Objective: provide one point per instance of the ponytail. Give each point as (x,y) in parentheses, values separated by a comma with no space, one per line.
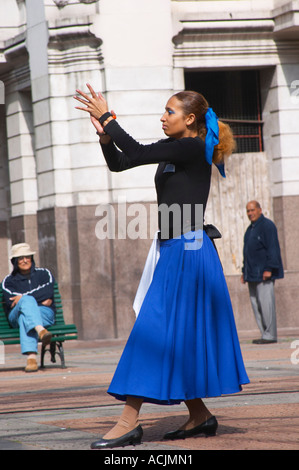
(195,103)
(227,143)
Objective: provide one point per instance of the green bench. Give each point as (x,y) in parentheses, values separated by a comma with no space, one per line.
(60,331)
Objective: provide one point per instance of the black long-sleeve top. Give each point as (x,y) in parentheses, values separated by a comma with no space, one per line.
(182,179)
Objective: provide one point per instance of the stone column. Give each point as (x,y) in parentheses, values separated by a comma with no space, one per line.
(4,192)
(282,107)
(22,168)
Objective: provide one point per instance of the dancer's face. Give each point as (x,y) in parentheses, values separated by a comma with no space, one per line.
(174,122)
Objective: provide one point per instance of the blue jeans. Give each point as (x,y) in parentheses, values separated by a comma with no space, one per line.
(26,315)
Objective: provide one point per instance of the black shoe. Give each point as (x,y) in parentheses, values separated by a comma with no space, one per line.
(208,428)
(131,438)
(264,341)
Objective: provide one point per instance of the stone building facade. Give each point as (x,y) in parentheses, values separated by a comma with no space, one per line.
(55,188)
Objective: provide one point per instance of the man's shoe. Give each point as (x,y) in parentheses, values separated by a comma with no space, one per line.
(31,365)
(130,438)
(208,428)
(264,341)
(45,337)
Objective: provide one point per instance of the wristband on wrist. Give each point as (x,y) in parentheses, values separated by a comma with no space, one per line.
(103,118)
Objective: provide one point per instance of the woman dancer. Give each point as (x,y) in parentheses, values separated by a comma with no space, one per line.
(184,345)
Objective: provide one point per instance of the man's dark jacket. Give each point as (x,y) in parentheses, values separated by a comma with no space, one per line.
(261,251)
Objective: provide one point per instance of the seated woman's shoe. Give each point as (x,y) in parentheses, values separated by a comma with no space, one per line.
(208,428)
(131,438)
(31,365)
(45,337)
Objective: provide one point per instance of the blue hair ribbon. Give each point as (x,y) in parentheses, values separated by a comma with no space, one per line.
(221,169)
(212,139)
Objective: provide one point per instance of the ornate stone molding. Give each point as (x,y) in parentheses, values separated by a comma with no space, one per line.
(63,3)
(15,63)
(235,42)
(73,47)
(287,20)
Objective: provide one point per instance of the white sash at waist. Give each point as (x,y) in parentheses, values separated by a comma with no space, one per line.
(148,272)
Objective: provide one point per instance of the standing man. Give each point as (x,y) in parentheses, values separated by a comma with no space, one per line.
(261,266)
(29,302)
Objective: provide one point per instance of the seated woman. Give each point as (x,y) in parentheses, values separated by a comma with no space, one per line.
(29,302)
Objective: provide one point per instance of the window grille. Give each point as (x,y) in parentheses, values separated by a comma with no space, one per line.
(235,97)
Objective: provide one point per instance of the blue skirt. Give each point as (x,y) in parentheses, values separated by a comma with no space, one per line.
(184,343)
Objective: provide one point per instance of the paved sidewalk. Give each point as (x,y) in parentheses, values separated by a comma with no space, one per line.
(66,409)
